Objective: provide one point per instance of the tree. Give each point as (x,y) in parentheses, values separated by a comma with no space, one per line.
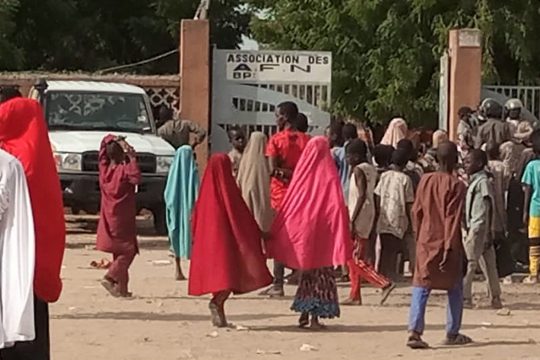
(386,53)
(93,34)
(10,55)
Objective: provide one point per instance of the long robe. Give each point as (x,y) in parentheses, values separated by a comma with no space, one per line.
(311,230)
(17,254)
(23,134)
(437,215)
(117,228)
(254,180)
(180,196)
(227,251)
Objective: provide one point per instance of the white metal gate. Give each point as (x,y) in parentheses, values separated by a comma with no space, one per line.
(247,86)
(529,96)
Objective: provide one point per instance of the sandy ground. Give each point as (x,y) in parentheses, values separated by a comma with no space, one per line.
(162,322)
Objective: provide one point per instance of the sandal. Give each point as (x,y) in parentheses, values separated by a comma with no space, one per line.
(303,321)
(109,286)
(416,343)
(458,339)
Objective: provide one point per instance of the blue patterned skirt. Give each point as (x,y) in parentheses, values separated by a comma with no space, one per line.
(317,294)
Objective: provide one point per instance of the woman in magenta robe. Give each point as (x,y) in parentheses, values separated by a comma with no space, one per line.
(119,176)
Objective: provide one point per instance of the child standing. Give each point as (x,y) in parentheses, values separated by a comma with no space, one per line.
(361,205)
(395,196)
(180,195)
(531,208)
(237,138)
(119,176)
(479,217)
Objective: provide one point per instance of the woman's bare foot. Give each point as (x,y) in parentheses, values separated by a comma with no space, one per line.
(351,302)
(315,325)
(214,313)
(179,276)
(221,313)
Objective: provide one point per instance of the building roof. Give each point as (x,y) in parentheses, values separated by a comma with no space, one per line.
(93,86)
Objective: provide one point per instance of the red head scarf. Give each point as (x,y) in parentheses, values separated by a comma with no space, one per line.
(23,134)
(311,230)
(227,252)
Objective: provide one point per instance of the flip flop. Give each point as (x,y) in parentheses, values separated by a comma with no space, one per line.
(109,286)
(459,339)
(417,343)
(386,293)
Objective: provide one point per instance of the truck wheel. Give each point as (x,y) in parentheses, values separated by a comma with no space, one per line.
(160,224)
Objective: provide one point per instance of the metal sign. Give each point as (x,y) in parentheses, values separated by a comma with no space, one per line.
(248,85)
(277,66)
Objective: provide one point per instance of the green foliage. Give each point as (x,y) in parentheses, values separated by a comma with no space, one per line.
(10,55)
(386,52)
(93,34)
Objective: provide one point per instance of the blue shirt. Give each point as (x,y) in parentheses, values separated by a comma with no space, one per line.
(343,167)
(531,177)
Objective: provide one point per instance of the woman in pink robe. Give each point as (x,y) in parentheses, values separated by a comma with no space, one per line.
(311,232)
(119,176)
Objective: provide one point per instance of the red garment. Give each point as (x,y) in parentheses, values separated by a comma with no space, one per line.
(287,146)
(117,229)
(227,253)
(23,133)
(311,230)
(119,270)
(359,269)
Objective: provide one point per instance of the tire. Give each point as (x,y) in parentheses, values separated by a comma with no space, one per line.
(160,225)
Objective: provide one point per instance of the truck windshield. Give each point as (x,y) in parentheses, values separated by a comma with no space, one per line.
(97,111)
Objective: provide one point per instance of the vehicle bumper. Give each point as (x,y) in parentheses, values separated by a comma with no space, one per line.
(82,191)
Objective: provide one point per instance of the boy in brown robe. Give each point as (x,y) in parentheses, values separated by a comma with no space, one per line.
(437,214)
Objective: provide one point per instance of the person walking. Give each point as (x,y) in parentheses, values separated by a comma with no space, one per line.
(437,214)
(227,256)
(310,233)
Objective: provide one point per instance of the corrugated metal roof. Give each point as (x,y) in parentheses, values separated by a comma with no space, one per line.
(93,86)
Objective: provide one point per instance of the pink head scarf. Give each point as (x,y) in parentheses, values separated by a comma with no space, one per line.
(397,130)
(311,229)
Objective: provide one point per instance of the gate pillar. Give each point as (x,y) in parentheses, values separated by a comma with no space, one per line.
(465,51)
(195,78)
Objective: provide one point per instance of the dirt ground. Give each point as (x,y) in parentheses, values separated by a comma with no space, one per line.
(162,322)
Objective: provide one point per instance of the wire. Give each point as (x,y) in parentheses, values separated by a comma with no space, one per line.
(139,63)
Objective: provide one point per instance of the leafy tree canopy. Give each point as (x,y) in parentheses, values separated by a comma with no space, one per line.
(386,52)
(93,34)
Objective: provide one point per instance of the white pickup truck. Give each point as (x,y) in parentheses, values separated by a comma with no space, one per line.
(79,115)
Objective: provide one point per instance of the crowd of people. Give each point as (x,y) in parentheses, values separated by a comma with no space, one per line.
(330,208)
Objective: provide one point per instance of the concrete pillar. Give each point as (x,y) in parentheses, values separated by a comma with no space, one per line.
(465,50)
(195,78)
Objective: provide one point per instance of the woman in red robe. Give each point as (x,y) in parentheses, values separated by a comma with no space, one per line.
(227,254)
(119,176)
(23,134)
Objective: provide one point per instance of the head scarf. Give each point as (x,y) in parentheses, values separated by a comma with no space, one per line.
(254,180)
(227,252)
(23,134)
(438,137)
(180,195)
(397,130)
(311,230)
